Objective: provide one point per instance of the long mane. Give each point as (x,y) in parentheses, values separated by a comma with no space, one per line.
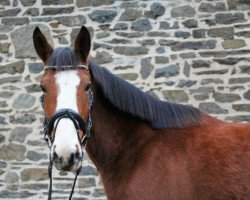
(128,98)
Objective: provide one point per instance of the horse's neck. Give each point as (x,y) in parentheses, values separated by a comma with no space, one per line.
(112,133)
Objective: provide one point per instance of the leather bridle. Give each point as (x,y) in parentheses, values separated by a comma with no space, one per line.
(80,124)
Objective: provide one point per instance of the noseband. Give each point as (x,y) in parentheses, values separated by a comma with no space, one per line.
(51,124)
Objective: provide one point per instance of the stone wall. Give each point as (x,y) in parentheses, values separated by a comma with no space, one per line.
(188,51)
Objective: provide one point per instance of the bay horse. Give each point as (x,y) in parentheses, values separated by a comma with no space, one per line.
(143,148)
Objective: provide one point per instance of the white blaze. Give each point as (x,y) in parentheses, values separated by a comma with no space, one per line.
(66,139)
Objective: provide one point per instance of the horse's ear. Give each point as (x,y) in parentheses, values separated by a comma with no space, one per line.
(43,48)
(83,43)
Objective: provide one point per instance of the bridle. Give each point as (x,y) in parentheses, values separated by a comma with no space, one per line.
(79,123)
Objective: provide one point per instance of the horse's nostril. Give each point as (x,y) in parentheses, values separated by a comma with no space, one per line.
(77,155)
(71,159)
(56,158)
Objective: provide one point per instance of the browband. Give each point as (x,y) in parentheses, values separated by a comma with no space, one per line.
(67,67)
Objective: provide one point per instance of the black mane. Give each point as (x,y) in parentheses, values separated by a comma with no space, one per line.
(128,98)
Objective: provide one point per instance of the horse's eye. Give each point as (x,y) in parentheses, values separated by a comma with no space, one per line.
(87,87)
(43,88)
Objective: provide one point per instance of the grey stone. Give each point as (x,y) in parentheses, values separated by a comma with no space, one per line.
(234,44)
(121,26)
(2,120)
(146,67)
(128,76)
(239,80)
(85,3)
(209,8)
(24,101)
(119,41)
(164,42)
(36,186)
(245,34)
(98,192)
(10,79)
(129,4)
(182,34)
(130,35)
(5,28)
(211,80)
(169,71)
(88,171)
(175,95)
(3,104)
(229,60)
(3,164)
(224,32)
(145,42)
(206,72)
(32,155)
(104,46)
(238,5)
(130,15)
(246,95)
(3,37)
(187,55)
(6,94)
(158,34)
(141,25)
(102,35)
(190,23)
(22,119)
(34,174)
(220,97)
(15,21)
(28,2)
(77,20)
(201,63)
(103,57)
(245,69)
(31,12)
(239,118)
(201,97)
(12,68)
(35,68)
(186,69)
(5,194)
(12,152)
(199,33)
(229,18)
(242,107)
(23,43)
(183,11)
(102,16)
(56,2)
(161,59)
(204,89)
(186,83)
(11,177)
(165,25)
(130,50)
(4,47)
(212,108)
(10,12)
(57,11)
(209,44)
(2,138)
(33,88)
(86,182)
(156,10)
(19,134)
(5,2)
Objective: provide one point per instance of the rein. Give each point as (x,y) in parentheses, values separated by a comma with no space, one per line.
(79,123)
